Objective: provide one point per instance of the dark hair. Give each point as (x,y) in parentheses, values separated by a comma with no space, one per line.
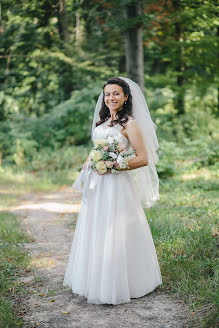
(127,107)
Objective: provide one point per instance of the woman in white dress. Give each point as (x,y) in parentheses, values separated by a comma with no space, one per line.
(113,257)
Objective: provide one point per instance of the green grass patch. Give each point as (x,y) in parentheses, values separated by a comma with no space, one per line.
(184,228)
(13,260)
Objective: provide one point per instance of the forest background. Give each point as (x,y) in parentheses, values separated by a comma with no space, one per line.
(55,57)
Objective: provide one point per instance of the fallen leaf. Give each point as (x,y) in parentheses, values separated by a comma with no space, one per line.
(193,312)
(42,294)
(51,301)
(22,313)
(64,312)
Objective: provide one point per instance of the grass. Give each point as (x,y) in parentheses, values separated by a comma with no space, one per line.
(184,228)
(13,260)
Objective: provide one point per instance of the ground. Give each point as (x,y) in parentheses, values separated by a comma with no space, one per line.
(50,220)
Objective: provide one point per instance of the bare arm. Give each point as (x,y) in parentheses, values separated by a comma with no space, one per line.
(136,140)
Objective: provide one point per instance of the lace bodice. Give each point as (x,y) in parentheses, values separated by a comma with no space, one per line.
(104,130)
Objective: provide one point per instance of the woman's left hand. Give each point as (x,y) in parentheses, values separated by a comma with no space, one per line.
(116,165)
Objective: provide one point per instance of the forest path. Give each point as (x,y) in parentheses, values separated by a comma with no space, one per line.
(48,304)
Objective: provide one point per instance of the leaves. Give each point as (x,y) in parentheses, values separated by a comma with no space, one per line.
(64,312)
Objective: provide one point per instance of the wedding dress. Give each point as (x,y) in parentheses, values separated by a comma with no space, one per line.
(112,257)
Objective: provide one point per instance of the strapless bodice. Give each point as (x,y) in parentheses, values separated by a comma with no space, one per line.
(103,131)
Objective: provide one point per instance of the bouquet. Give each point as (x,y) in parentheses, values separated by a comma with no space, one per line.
(109,153)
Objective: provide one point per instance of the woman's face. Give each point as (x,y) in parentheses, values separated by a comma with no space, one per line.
(114,96)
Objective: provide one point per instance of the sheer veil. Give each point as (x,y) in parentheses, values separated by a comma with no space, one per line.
(146,177)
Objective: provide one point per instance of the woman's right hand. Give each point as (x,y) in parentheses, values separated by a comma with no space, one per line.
(84,166)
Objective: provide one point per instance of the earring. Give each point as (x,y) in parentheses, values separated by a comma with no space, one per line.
(125,102)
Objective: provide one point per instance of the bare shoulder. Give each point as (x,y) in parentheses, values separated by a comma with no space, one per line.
(130,127)
(131,123)
(130,118)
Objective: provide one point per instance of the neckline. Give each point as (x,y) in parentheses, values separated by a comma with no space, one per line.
(109,120)
(112,127)
(115,128)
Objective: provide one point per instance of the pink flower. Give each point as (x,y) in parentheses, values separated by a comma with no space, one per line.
(109,164)
(105,148)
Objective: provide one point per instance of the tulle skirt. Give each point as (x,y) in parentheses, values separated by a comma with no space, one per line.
(112,257)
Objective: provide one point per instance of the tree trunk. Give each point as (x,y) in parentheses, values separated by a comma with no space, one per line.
(79,31)
(63,21)
(179,102)
(134,46)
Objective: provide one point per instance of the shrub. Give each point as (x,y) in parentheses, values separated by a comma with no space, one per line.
(168,153)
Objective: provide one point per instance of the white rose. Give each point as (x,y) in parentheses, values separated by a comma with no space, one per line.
(96,155)
(101,142)
(121,161)
(101,167)
(120,147)
(113,155)
(117,138)
(110,140)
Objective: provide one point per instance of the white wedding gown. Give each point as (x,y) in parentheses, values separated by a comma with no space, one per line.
(113,257)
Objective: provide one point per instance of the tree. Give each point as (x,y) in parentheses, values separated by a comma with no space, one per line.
(134,46)
(63,21)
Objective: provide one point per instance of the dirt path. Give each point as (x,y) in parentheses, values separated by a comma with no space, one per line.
(50,220)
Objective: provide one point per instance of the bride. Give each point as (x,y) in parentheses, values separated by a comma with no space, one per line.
(113,257)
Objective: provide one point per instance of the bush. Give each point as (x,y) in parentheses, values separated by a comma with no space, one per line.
(200,152)
(67,124)
(204,151)
(66,158)
(168,153)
